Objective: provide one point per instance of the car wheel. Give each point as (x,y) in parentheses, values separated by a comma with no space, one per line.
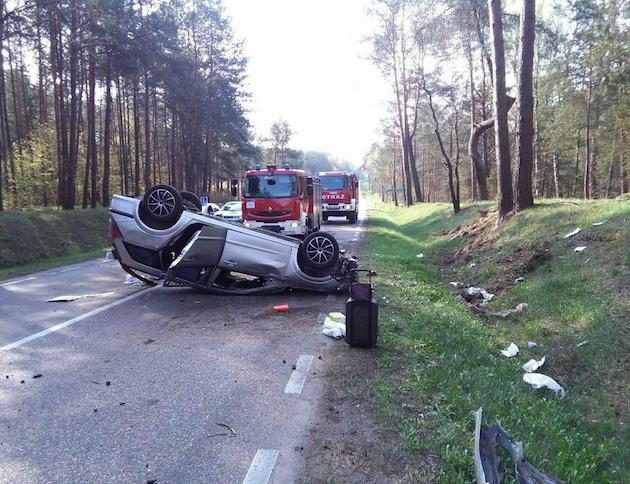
(319,250)
(190,201)
(161,204)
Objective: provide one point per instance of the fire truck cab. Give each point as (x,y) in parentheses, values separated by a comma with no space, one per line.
(282,200)
(340,195)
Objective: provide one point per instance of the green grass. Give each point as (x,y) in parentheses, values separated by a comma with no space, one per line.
(33,240)
(440,362)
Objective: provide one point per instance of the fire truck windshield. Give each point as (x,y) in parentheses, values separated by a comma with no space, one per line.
(271,186)
(334,182)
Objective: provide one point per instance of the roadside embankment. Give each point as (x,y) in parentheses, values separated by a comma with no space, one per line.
(441,354)
(33,236)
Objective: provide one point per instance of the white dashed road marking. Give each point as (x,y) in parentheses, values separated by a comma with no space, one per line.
(260,470)
(298,377)
(70,322)
(16,282)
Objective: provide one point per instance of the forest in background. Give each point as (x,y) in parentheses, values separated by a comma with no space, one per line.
(112,96)
(438,56)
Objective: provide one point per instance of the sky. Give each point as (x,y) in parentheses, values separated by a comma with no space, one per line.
(308,65)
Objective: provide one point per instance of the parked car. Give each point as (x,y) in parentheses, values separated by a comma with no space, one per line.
(212,208)
(231,211)
(159,236)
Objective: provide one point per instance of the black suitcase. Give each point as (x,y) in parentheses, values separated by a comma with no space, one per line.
(362,314)
(361,323)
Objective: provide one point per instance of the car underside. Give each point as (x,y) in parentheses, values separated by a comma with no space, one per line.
(165,238)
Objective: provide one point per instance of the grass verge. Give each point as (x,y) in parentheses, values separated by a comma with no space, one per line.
(39,239)
(440,362)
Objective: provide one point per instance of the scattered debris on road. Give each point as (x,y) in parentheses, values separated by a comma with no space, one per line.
(335,325)
(571,234)
(487,462)
(133,281)
(233,432)
(281,308)
(538,380)
(510,351)
(39,375)
(74,297)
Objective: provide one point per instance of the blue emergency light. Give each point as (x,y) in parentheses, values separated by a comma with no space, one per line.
(287,166)
(258,166)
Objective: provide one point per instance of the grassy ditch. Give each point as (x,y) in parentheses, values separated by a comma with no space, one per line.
(440,361)
(27,239)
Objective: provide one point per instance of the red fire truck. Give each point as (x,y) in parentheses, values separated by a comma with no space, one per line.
(283,200)
(340,195)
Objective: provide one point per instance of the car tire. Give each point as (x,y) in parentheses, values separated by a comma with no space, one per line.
(319,250)
(190,201)
(161,205)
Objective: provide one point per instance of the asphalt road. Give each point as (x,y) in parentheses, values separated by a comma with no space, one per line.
(166,385)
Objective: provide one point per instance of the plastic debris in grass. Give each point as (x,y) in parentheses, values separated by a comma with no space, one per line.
(508,312)
(335,325)
(519,279)
(532,365)
(531,344)
(457,285)
(419,256)
(478,291)
(109,255)
(572,233)
(582,343)
(581,248)
(510,351)
(472,264)
(597,224)
(538,380)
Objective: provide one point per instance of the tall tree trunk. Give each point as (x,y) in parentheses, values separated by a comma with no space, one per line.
(576,174)
(136,136)
(41,70)
(502,140)
(453,176)
(610,167)
(556,174)
(624,181)
(587,139)
(107,130)
(524,195)
(92,132)
(147,133)
(473,107)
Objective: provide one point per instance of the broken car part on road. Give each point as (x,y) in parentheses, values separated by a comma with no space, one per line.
(164,237)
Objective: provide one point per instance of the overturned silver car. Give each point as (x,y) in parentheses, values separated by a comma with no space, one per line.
(166,236)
